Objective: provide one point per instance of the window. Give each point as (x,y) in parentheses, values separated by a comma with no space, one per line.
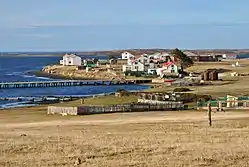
(240,104)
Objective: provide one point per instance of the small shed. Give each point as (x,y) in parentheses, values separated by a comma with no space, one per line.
(210,75)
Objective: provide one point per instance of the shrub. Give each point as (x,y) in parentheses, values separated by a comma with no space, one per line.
(191,97)
(123,92)
(181,90)
(188,97)
(133,73)
(204,98)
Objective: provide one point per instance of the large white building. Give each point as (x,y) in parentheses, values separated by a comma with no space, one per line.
(141,64)
(71,60)
(127,55)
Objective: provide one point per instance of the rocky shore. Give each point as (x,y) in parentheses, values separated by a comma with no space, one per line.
(72,73)
(57,76)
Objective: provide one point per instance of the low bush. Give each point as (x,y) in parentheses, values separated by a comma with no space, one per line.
(181,90)
(191,97)
(123,92)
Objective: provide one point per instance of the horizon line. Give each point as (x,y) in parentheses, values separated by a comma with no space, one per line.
(105,50)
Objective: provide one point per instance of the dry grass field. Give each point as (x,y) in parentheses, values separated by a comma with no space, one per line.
(230,85)
(101,100)
(233,85)
(29,137)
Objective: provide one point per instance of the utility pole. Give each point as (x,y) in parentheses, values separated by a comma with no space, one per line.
(209,114)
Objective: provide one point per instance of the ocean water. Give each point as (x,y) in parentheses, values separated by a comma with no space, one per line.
(14,68)
(244,56)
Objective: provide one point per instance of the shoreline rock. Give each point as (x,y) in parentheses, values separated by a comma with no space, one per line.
(57,76)
(73,73)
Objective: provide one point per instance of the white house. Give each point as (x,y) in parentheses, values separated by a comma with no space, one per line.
(137,66)
(163,56)
(144,59)
(155,55)
(168,68)
(141,64)
(71,60)
(127,55)
(159,55)
(190,54)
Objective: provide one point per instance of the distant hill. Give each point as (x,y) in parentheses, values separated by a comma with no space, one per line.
(133,51)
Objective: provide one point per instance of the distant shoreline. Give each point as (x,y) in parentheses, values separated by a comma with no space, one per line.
(118,52)
(51,55)
(38,55)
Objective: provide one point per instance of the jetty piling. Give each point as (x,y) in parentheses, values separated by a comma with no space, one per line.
(41,84)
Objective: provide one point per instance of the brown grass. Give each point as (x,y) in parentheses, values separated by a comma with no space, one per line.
(232,85)
(102,100)
(134,139)
(29,137)
(34,114)
(229,85)
(71,72)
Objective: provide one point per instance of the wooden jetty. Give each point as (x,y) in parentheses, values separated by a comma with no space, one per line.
(61,83)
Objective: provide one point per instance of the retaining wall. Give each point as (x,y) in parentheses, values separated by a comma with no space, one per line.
(134,107)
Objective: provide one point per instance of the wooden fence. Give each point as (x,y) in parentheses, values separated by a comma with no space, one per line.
(134,107)
(62,110)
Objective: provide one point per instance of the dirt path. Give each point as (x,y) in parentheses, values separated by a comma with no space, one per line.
(131,118)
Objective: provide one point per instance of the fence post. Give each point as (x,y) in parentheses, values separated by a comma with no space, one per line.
(209,114)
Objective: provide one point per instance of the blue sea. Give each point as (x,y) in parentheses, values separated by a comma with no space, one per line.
(14,68)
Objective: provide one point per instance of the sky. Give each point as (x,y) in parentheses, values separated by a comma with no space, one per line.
(92,25)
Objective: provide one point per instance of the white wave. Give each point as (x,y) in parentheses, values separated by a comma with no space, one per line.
(34,76)
(44,78)
(16,104)
(14,73)
(28,76)
(17,73)
(10,74)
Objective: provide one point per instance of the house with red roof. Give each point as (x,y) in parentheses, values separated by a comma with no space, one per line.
(230,56)
(170,68)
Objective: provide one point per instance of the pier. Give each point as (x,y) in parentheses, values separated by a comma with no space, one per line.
(43,84)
